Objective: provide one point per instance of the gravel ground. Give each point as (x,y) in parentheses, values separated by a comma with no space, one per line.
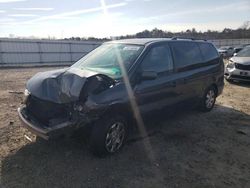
(187,149)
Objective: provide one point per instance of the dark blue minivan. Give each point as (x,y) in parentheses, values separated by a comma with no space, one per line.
(119,81)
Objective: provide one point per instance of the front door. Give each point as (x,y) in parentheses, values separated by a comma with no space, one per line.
(160,91)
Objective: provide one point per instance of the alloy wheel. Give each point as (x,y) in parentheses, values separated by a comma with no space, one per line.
(210,99)
(115,137)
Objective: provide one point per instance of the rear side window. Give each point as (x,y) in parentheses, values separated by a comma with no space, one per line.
(186,53)
(158,59)
(208,51)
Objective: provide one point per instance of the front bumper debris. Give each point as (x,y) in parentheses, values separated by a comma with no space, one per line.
(44,131)
(237,74)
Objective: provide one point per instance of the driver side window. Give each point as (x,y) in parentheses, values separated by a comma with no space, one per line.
(158,60)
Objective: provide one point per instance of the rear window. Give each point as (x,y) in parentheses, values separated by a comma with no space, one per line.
(208,51)
(186,54)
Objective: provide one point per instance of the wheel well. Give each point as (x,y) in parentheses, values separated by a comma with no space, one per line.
(122,110)
(216,88)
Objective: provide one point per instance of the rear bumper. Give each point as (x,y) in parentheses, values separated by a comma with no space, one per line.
(237,74)
(43,131)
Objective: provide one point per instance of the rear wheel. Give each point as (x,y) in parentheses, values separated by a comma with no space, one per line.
(208,100)
(108,135)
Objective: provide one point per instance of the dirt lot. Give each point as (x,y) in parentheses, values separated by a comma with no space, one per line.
(190,149)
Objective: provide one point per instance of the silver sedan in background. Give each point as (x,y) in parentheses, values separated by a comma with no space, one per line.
(238,67)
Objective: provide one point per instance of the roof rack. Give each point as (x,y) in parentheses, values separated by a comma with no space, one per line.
(176,38)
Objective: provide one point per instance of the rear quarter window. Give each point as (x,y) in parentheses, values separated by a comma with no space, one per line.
(186,54)
(208,51)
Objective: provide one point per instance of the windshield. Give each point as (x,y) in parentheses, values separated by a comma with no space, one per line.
(245,52)
(106,58)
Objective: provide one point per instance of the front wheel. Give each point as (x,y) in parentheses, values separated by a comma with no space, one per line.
(108,135)
(208,100)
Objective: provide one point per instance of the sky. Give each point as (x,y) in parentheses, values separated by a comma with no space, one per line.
(106,18)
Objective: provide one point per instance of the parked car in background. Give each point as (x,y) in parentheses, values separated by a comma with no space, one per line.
(226,51)
(238,48)
(238,67)
(119,81)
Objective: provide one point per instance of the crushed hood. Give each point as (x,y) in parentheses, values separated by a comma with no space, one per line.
(59,86)
(241,60)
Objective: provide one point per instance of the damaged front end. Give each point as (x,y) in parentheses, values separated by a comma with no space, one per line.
(59,102)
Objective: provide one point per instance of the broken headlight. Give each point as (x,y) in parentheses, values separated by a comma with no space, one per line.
(231,65)
(86,107)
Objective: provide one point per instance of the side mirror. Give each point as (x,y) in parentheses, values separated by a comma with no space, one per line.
(235,54)
(148,75)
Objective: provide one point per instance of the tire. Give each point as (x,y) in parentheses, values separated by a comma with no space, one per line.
(229,80)
(108,135)
(208,100)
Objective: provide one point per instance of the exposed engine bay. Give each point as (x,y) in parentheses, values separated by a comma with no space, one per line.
(59,96)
